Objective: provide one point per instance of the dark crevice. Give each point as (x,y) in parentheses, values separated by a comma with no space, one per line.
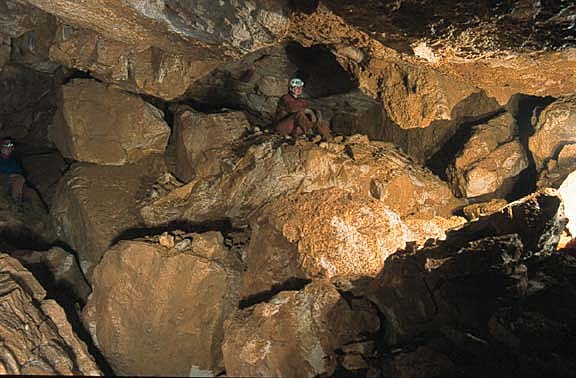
(224,226)
(292,284)
(523,107)
(77,74)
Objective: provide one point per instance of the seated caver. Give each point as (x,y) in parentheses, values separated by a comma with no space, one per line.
(11,178)
(294,117)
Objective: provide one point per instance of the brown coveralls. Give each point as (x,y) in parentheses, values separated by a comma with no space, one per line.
(291,118)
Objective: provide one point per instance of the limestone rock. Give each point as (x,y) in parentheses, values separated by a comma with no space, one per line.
(23,228)
(267,171)
(197,37)
(94,205)
(151,70)
(491,160)
(27,105)
(294,334)
(352,113)
(554,127)
(475,211)
(158,311)
(424,362)
(539,325)
(205,143)
(568,192)
(66,276)
(36,336)
(43,171)
(438,285)
(103,125)
(327,234)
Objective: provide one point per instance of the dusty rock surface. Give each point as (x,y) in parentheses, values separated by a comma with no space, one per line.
(490,162)
(93,205)
(268,170)
(296,333)
(205,143)
(159,310)
(103,125)
(36,336)
(553,128)
(330,233)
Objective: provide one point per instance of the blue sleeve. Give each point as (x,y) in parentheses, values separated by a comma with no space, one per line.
(10,166)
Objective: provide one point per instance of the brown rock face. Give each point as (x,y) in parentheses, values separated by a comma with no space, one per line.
(159,311)
(438,285)
(490,161)
(102,125)
(266,172)
(294,334)
(330,233)
(151,70)
(205,143)
(94,204)
(36,336)
(554,127)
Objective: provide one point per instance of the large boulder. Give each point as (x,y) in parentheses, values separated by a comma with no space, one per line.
(205,143)
(164,41)
(151,70)
(158,305)
(330,234)
(37,338)
(295,334)
(490,161)
(103,125)
(554,127)
(267,171)
(463,279)
(93,205)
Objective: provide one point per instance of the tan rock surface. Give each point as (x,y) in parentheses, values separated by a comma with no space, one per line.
(205,143)
(103,125)
(266,172)
(490,161)
(555,126)
(43,172)
(36,336)
(330,233)
(159,311)
(151,70)
(295,334)
(93,205)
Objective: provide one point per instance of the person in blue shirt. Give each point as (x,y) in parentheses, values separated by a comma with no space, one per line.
(11,178)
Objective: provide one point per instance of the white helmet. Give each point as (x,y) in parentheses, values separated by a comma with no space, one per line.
(296,82)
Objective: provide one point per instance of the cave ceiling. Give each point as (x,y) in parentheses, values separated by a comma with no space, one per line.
(503,47)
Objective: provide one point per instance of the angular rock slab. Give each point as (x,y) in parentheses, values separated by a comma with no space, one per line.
(158,311)
(329,233)
(271,168)
(93,205)
(554,128)
(102,125)
(295,334)
(458,281)
(205,143)
(491,160)
(36,336)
